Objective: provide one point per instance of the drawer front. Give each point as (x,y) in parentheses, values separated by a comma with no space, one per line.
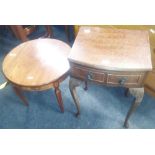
(112,78)
(88,74)
(125,80)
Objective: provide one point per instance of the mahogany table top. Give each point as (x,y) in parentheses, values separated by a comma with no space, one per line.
(112,49)
(37,62)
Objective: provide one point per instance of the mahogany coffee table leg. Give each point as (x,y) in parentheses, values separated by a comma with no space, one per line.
(138,93)
(73,83)
(19,93)
(58,95)
(49,32)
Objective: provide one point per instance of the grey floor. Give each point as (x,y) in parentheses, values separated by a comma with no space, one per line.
(101,106)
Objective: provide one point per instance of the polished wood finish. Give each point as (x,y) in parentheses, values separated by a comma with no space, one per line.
(73,83)
(83,72)
(112,49)
(114,57)
(49,32)
(113,78)
(19,93)
(138,93)
(128,79)
(149,83)
(22,33)
(19,32)
(58,95)
(38,65)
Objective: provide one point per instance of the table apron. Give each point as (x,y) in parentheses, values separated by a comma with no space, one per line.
(111,78)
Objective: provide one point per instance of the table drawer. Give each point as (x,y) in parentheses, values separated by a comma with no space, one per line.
(125,79)
(88,74)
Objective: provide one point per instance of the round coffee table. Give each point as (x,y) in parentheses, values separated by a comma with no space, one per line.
(37,65)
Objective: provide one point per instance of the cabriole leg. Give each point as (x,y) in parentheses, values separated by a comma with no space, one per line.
(138,93)
(73,83)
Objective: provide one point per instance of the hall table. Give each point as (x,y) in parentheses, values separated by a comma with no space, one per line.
(37,65)
(113,57)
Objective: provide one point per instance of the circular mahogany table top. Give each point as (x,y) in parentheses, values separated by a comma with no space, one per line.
(37,64)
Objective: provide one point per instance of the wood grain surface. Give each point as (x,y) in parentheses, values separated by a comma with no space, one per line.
(112,49)
(36,63)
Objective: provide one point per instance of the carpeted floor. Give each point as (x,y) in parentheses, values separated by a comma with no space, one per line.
(101,106)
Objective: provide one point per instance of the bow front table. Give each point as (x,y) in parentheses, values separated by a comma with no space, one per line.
(113,57)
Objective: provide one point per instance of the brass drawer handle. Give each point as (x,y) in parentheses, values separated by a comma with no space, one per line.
(122,81)
(90,76)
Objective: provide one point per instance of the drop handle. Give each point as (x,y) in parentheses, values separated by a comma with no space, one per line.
(90,76)
(122,81)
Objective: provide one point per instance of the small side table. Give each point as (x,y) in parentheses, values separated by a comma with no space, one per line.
(37,65)
(113,57)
